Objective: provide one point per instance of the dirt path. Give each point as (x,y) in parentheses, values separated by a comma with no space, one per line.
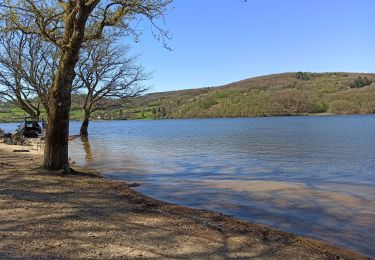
(46,215)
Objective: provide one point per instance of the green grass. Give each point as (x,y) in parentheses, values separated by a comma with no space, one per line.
(76,114)
(12,114)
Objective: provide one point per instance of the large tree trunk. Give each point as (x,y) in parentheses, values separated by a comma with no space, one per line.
(59,97)
(85,125)
(56,148)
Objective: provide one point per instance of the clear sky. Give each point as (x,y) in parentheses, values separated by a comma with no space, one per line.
(220,41)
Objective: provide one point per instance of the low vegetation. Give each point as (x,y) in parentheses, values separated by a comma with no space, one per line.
(282,94)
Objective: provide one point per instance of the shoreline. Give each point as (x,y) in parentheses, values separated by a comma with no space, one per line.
(182,118)
(45,214)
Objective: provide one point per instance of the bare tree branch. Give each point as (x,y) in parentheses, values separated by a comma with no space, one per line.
(27,66)
(105,74)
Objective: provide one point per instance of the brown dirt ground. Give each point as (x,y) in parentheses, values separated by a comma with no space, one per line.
(49,215)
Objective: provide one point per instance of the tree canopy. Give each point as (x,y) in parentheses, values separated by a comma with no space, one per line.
(61,22)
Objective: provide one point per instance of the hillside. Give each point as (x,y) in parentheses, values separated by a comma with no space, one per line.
(279,94)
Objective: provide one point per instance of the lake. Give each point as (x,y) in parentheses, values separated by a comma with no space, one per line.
(312,176)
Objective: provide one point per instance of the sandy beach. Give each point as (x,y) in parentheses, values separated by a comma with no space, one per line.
(49,215)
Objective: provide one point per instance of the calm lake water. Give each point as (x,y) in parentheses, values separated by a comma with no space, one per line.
(313,176)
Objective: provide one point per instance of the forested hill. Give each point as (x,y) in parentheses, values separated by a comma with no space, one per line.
(280,94)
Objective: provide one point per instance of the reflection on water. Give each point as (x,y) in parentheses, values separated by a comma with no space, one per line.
(87,148)
(313,176)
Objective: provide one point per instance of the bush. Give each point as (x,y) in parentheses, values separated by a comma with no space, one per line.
(320,107)
(342,107)
(360,82)
(208,102)
(302,75)
(295,101)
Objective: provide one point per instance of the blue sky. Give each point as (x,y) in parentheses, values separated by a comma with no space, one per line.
(220,41)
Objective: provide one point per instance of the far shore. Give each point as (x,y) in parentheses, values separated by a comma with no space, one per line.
(182,118)
(45,214)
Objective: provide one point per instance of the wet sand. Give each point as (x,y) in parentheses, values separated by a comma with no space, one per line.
(49,215)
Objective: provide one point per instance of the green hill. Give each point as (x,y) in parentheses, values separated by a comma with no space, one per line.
(280,94)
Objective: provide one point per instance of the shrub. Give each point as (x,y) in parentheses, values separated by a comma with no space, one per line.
(208,102)
(302,75)
(320,107)
(360,82)
(295,101)
(342,107)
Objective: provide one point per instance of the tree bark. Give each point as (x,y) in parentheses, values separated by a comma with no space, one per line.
(56,148)
(85,125)
(59,100)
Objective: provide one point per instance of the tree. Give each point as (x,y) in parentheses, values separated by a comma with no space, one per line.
(105,74)
(27,65)
(13,88)
(69,24)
